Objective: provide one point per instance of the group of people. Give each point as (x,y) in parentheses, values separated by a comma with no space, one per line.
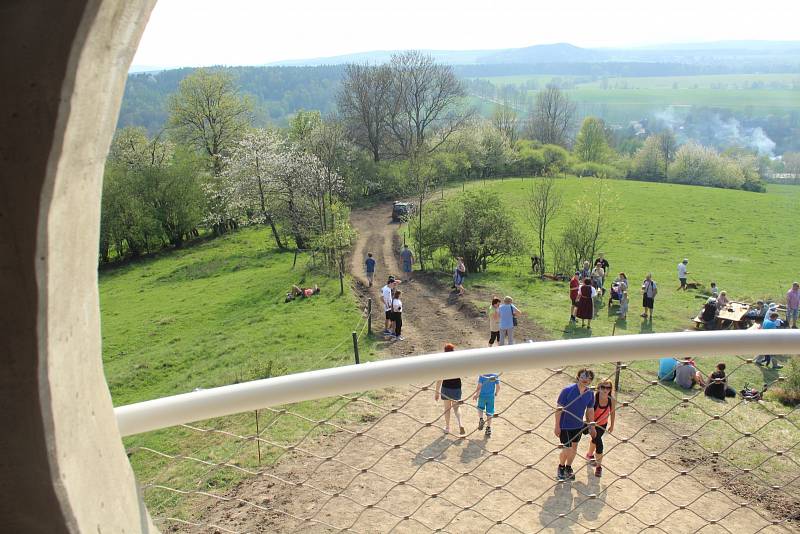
(393,309)
(686,375)
(579,411)
(587,290)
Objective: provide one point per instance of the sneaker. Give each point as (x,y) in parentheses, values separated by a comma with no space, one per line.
(569,473)
(561,474)
(481,422)
(590,458)
(400,338)
(777,366)
(386,331)
(488,432)
(598,471)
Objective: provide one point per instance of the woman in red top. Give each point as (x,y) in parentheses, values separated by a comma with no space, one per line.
(605,411)
(574,284)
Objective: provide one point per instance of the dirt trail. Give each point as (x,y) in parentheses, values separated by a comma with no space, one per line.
(403,466)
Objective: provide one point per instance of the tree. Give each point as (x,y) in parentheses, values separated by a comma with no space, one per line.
(329,143)
(363,103)
(506,121)
(423,104)
(475,225)
(592,141)
(668,146)
(552,117)
(544,202)
(209,113)
(247,176)
(648,162)
(302,124)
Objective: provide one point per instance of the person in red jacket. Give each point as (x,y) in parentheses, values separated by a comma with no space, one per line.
(574,284)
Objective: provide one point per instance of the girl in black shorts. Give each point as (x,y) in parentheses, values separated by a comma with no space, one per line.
(449,390)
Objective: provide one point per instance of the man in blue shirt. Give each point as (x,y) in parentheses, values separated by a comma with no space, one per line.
(575,402)
(370,268)
(770,323)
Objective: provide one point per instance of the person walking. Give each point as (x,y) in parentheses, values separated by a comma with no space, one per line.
(494,322)
(508,314)
(649,292)
(458,275)
(605,413)
(574,403)
(407,258)
(586,296)
(574,285)
(487,389)
(370,263)
(682,272)
(449,390)
(792,305)
(397,315)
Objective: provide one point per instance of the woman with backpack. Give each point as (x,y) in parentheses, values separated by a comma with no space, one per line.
(605,408)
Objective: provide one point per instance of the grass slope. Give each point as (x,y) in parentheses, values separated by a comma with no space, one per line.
(211,315)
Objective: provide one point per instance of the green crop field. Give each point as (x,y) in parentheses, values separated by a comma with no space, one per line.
(211,315)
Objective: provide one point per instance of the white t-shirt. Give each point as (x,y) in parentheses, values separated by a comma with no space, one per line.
(681,270)
(397,305)
(386,291)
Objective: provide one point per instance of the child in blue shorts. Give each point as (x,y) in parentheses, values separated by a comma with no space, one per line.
(487,389)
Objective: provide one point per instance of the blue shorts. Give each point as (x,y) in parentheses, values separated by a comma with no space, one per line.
(486,404)
(406,267)
(791,315)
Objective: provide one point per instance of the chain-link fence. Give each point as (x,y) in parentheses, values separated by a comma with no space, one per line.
(381,461)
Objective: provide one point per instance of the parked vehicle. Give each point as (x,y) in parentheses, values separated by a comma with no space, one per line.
(401,210)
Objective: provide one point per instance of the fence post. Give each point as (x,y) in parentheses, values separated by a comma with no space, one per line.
(294,261)
(258,441)
(369,316)
(618,364)
(355,347)
(341,282)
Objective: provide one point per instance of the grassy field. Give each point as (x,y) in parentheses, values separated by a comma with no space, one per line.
(211,315)
(736,238)
(622,99)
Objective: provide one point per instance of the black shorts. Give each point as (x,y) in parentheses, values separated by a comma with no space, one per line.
(389,315)
(683,282)
(647,302)
(570,436)
(494,336)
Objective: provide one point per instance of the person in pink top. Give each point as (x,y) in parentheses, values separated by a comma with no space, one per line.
(793,304)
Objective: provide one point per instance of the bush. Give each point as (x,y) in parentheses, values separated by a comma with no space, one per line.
(789,391)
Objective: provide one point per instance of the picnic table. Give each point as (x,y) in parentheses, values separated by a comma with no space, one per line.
(733,311)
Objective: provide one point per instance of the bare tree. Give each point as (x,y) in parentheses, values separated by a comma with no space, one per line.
(668,146)
(424,98)
(544,202)
(505,119)
(552,117)
(363,103)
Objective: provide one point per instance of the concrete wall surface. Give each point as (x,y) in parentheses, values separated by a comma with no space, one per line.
(62,72)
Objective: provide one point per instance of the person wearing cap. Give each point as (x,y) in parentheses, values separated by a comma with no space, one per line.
(682,273)
(792,305)
(770,323)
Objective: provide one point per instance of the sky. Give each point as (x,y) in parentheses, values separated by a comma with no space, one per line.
(253,32)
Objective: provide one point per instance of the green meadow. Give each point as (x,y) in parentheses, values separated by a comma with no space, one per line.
(743,241)
(211,315)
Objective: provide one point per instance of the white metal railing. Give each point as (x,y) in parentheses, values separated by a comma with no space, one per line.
(180,409)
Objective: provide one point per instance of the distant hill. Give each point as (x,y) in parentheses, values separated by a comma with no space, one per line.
(554,53)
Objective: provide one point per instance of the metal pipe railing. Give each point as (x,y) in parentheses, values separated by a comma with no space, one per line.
(205,404)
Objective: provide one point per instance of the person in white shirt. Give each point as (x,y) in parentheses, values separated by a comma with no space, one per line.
(386,295)
(682,273)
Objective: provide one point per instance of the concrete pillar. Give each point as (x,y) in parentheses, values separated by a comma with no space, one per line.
(62,72)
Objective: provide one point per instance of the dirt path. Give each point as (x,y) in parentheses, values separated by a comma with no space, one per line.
(395,470)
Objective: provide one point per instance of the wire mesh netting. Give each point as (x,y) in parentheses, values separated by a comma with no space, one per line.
(380,461)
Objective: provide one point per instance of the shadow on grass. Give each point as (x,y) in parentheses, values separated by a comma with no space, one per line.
(573,331)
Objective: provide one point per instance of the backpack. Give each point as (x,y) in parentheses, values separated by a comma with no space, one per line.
(752,394)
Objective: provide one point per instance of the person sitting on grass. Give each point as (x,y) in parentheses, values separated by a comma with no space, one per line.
(666,369)
(687,375)
(297,291)
(770,323)
(714,290)
(718,387)
(488,388)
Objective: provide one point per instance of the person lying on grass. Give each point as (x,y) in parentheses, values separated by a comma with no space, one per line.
(302,293)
